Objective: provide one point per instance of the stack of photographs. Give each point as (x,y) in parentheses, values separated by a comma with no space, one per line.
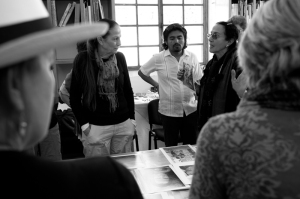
(162,173)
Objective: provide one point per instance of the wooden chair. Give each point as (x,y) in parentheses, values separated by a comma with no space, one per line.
(135,137)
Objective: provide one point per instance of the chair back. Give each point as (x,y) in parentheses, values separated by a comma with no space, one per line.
(153,114)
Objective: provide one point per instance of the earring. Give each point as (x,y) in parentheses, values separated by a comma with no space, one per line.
(22,128)
(227,46)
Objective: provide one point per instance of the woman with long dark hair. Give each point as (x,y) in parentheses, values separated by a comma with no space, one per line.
(101,95)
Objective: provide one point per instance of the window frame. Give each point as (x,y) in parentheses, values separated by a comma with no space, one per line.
(161,26)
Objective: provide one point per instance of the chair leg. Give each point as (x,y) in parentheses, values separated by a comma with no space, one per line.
(155,142)
(137,142)
(149,140)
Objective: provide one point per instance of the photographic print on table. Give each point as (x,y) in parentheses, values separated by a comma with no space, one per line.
(153,196)
(130,161)
(176,194)
(154,158)
(194,147)
(179,154)
(158,179)
(185,172)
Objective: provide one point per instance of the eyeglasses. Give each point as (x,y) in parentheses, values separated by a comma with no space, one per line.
(214,36)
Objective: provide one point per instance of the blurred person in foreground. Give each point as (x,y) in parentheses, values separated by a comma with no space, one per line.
(254,152)
(27,40)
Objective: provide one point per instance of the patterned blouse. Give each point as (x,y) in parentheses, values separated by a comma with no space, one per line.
(251,153)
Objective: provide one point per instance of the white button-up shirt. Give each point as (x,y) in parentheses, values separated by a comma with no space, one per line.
(174,97)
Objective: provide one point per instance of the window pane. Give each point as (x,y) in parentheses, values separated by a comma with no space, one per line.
(148,36)
(147,2)
(147,15)
(194,34)
(197,50)
(172,14)
(129,36)
(193,14)
(146,53)
(172,1)
(126,15)
(193,1)
(124,1)
(130,55)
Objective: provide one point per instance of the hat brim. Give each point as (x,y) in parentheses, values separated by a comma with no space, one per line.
(31,45)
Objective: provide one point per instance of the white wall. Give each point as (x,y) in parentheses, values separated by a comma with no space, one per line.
(138,84)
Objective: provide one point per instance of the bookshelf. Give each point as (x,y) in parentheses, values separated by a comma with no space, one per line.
(66,55)
(246,8)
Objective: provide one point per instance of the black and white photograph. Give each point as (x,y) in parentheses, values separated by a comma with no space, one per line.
(179,154)
(157,179)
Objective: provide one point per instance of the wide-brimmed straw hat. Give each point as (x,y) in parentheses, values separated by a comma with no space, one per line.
(26,31)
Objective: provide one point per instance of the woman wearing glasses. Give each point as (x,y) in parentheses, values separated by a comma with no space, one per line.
(216,94)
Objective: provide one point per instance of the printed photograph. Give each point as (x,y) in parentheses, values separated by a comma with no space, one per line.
(130,161)
(179,154)
(152,180)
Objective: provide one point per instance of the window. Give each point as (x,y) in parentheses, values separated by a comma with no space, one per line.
(143,21)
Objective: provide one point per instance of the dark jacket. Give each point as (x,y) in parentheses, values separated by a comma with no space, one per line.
(102,115)
(216,95)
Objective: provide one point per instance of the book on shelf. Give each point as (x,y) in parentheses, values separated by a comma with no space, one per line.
(89,14)
(65,14)
(249,11)
(101,10)
(49,10)
(82,11)
(69,14)
(77,14)
(234,9)
(53,13)
(96,10)
(245,9)
(92,10)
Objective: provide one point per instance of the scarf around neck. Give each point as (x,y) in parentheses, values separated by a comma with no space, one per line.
(107,74)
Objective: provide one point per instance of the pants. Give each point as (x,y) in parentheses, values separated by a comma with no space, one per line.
(107,140)
(186,126)
(50,147)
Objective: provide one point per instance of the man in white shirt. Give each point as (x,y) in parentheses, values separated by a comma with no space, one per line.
(177,101)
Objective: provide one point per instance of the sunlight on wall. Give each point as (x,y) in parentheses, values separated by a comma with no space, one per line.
(218,10)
